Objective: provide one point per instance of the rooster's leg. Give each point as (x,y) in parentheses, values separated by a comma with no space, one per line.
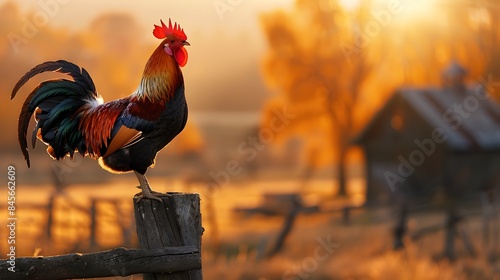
(146,190)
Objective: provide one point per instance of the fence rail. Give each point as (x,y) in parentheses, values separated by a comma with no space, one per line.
(116,262)
(169,233)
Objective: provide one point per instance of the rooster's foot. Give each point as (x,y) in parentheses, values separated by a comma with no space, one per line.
(146,189)
(149,195)
(155,193)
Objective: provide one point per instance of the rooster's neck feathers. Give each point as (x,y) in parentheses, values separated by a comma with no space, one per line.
(162,76)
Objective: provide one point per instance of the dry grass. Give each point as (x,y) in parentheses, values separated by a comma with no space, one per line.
(364,252)
(362,249)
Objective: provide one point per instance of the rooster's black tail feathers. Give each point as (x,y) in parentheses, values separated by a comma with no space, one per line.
(57,101)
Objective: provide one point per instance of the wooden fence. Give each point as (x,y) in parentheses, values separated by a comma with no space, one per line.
(169,233)
(101,213)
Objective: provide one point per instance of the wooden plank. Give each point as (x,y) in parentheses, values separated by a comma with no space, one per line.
(116,262)
(187,208)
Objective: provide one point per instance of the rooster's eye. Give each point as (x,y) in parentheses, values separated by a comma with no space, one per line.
(172,41)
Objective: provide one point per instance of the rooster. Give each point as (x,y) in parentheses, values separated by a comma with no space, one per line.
(124,135)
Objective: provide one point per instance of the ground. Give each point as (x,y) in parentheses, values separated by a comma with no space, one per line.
(320,246)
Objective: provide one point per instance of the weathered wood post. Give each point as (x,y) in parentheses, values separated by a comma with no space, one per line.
(93,223)
(176,221)
(346,215)
(50,216)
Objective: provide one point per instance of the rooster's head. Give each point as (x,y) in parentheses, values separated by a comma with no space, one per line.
(174,40)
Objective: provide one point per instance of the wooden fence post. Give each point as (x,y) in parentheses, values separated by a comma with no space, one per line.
(50,216)
(176,221)
(93,223)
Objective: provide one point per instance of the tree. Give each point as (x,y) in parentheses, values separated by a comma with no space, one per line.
(318,62)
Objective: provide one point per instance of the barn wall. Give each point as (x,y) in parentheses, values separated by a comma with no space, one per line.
(467,174)
(398,167)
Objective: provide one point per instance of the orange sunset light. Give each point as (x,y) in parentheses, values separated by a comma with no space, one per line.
(321,135)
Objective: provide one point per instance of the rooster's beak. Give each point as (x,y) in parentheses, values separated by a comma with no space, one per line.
(186,43)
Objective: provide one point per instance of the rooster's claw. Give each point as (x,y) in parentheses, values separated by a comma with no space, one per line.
(148,196)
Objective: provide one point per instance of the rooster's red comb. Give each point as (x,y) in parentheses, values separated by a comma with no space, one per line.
(163,31)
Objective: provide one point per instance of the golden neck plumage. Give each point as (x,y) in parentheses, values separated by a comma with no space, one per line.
(161,78)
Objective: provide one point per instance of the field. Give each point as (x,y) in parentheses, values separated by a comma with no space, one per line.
(320,245)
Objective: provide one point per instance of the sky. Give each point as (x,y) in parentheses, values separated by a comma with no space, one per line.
(231,16)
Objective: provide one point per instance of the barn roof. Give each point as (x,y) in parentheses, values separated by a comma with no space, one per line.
(469,118)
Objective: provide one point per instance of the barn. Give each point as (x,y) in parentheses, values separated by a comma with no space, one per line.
(429,139)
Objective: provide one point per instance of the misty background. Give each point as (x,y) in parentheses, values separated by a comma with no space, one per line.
(277,92)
